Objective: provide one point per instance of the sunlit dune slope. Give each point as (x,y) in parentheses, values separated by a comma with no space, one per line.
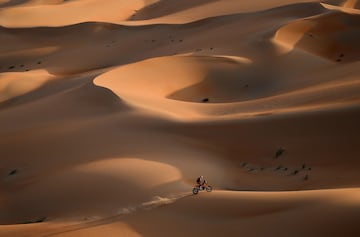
(51,13)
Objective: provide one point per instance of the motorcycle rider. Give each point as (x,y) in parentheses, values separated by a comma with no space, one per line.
(201,181)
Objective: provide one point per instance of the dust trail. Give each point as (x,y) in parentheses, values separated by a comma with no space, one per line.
(154,203)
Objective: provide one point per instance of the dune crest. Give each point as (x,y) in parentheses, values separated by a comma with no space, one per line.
(330,35)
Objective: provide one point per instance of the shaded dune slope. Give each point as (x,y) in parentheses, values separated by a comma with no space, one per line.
(162,8)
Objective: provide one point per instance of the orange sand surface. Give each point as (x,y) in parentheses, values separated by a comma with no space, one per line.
(109,110)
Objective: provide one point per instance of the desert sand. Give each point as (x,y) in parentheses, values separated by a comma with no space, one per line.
(109,111)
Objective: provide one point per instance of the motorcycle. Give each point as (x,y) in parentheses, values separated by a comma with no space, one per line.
(205,186)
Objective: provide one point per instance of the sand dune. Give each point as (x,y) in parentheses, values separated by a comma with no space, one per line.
(109,111)
(344,3)
(50,13)
(331,35)
(277,213)
(350,6)
(16,84)
(171,11)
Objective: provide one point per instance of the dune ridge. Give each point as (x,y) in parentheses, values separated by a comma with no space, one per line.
(109,111)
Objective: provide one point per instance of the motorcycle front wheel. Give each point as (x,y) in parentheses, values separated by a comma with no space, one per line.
(195,191)
(208,189)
